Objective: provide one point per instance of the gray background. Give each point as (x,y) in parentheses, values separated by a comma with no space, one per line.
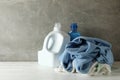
(25,23)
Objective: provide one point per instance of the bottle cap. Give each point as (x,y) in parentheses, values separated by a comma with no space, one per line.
(73,26)
(57,27)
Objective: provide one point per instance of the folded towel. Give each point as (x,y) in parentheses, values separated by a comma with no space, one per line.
(81,53)
(99,69)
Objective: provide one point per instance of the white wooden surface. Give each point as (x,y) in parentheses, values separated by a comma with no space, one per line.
(33,71)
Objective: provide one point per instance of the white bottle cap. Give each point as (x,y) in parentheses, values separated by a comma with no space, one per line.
(57,27)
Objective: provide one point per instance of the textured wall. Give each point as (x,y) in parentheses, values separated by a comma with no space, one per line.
(25,23)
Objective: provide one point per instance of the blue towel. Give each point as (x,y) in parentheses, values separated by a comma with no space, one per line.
(82,52)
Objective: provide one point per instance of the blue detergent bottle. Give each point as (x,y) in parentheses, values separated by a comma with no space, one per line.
(73,33)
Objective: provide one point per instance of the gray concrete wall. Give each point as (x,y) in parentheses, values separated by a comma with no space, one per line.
(25,23)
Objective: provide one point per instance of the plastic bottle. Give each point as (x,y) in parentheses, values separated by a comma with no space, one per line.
(73,33)
(54,45)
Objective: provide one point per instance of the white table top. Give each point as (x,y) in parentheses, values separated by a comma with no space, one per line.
(33,71)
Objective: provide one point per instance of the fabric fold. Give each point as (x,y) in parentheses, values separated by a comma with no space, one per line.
(99,69)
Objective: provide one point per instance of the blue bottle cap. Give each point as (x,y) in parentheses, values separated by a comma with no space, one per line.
(73,26)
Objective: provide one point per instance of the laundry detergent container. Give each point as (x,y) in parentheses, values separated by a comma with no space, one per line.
(53,46)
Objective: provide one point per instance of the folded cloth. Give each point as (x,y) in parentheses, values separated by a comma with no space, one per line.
(82,52)
(99,69)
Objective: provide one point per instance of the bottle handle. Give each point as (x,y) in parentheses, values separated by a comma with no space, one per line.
(46,43)
(47,39)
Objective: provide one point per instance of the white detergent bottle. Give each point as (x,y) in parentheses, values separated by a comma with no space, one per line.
(54,45)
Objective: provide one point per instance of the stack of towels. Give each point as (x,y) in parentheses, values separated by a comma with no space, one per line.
(87,55)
